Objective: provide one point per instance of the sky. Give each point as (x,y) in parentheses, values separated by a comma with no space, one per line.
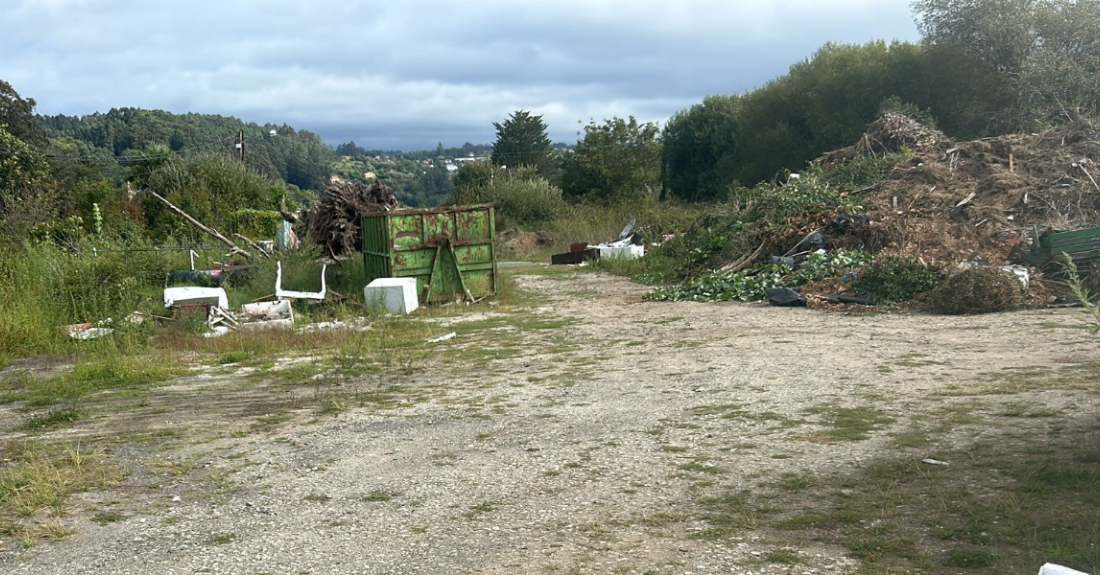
(406,74)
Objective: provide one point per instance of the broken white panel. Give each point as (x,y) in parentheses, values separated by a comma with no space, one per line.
(280,293)
(395,295)
(627,252)
(212,296)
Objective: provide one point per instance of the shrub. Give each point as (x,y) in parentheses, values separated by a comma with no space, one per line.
(976,290)
(895,280)
(522,198)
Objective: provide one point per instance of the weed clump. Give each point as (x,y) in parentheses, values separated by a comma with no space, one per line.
(896,280)
(975,291)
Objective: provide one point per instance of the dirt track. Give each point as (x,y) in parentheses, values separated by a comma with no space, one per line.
(587,460)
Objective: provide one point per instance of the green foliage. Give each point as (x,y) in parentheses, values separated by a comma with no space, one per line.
(618,160)
(818,266)
(1028,62)
(256,224)
(523,198)
(298,158)
(522,141)
(18,119)
(211,188)
(752,284)
(1081,293)
(28,193)
(862,171)
(700,150)
(746,285)
(895,280)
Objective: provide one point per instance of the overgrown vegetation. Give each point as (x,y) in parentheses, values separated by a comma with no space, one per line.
(895,280)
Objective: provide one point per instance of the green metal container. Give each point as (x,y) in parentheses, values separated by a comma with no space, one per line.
(448,250)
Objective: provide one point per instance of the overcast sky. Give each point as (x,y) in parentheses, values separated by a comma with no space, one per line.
(404,74)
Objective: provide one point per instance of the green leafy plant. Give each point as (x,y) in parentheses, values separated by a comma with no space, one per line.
(895,280)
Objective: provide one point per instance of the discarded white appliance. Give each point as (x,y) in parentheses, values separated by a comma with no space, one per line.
(395,295)
(1052,569)
(266,314)
(280,293)
(185,296)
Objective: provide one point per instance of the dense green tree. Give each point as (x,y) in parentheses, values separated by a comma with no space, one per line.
(300,158)
(522,141)
(17,117)
(1031,63)
(28,193)
(699,152)
(617,160)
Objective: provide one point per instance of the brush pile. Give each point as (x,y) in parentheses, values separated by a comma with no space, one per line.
(334,223)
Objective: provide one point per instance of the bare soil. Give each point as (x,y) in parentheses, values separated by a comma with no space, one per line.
(586,453)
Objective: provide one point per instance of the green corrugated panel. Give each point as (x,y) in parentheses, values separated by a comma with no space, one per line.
(448,249)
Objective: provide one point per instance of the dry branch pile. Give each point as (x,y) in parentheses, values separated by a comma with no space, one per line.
(953,201)
(334,223)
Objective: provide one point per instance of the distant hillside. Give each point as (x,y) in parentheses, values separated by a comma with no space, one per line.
(299,158)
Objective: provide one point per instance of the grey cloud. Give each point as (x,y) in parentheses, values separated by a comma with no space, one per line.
(401,74)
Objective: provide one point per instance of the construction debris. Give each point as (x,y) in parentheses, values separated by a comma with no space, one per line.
(280,293)
(334,223)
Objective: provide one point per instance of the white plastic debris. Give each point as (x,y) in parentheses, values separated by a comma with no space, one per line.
(1021,274)
(394,295)
(90,332)
(211,296)
(266,314)
(934,462)
(1052,569)
(449,336)
(288,294)
(218,331)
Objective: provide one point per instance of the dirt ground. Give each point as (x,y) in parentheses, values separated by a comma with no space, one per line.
(585,452)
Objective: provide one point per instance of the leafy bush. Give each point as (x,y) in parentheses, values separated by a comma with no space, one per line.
(895,280)
(977,290)
(522,197)
(746,285)
(752,284)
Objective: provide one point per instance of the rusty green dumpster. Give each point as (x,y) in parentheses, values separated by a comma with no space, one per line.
(448,250)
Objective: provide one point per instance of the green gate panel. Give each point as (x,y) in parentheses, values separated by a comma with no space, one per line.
(448,250)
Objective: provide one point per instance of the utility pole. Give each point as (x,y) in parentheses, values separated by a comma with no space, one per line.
(240,145)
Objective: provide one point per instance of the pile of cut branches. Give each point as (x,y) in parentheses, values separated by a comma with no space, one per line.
(334,223)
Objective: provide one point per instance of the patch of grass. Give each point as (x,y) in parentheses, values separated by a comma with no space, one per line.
(377,496)
(105,517)
(967,559)
(52,419)
(317,498)
(223,538)
(481,508)
(35,481)
(783,556)
(849,423)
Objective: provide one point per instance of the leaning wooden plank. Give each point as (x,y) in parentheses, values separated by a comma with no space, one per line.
(199,225)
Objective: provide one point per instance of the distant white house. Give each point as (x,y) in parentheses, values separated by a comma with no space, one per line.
(369,175)
(461,161)
(334,179)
